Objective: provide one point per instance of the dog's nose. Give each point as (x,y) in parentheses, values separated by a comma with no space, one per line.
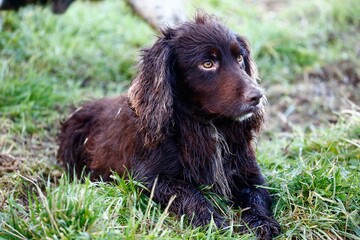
(253,97)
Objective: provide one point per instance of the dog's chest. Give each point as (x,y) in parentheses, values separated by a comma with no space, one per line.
(205,157)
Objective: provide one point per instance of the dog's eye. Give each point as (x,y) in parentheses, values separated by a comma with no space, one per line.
(240,59)
(208,64)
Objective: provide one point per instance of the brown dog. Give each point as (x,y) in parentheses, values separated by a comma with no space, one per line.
(189,119)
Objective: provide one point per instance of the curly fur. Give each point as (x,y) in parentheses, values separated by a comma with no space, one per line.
(189,119)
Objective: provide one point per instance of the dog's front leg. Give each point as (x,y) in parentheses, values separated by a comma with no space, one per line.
(256,213)
(188,200)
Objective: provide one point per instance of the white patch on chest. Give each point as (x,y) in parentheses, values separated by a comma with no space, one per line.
(220,177)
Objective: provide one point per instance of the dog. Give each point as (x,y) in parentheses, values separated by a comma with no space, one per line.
(57,6)
(189,119)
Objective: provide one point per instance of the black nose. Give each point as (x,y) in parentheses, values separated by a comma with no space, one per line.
(253,97)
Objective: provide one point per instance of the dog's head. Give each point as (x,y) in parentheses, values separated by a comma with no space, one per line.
(214,69)
(202,64)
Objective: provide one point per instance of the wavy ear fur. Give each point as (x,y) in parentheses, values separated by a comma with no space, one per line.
(250,65)
(151,93)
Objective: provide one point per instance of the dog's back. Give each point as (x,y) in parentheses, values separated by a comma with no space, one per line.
(72,139)
(79,147)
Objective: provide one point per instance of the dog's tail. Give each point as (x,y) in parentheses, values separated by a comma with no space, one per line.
(72,138)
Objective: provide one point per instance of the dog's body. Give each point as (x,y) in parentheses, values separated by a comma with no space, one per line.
(189,119)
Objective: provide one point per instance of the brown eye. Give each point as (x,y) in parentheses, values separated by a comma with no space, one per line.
(208,64)
(240,59)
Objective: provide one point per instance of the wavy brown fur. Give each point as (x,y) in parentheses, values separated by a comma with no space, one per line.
(189,119)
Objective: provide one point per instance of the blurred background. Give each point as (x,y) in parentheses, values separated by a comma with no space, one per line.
(307,54)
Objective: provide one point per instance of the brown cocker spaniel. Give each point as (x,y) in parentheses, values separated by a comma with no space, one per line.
(189,119)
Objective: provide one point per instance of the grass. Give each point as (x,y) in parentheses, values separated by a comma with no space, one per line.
(49,62)
(317,184)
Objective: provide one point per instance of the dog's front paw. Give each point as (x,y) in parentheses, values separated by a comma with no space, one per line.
(205,219)
(265,227)
(220,222)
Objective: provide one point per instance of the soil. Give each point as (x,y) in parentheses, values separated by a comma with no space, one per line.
(317,98)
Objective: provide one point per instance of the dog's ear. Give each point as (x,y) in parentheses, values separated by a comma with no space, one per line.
(151,93)
(250,65)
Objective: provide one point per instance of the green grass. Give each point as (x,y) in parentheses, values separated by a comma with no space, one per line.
(48,63)
(299,38)
(315,183)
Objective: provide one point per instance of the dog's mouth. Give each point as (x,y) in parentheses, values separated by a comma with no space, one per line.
(244,117)
(238,111)
(247,112)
